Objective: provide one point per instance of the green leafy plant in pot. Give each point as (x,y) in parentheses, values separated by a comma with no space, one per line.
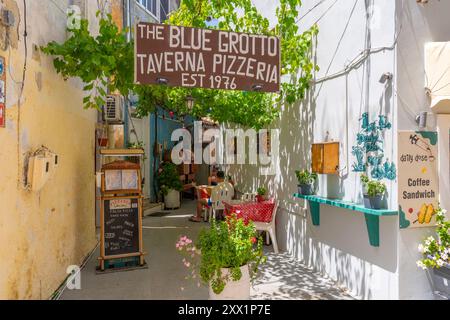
(226,257)
(262,194)
(436,254)
(374,192)
(169,185)
(306,182)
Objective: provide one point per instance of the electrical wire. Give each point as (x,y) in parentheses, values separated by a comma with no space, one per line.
(22,87)
(58,7)
(25,38)
(59,292)
(326,11)
(310,10)
(342,36)
(360,58)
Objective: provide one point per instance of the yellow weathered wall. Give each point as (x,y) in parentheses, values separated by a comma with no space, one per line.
(41,234)
(117,12)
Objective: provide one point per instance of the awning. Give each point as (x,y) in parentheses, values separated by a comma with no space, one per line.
(437,71)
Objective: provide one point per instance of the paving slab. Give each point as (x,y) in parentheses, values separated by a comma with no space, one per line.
(164,279)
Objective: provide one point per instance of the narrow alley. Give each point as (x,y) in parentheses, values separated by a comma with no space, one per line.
(281,277)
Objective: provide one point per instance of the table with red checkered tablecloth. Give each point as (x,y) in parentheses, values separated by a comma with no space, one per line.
(251,211)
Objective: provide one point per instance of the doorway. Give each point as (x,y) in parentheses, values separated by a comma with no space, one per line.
(139,132)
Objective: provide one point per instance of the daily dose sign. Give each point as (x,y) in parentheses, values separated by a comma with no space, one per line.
(418,178)
(204,58)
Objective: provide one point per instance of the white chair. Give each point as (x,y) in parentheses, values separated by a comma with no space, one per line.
(248,197)
(220,193)
(270,228)
(229,187)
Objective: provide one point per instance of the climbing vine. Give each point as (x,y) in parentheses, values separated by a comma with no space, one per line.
(105,62)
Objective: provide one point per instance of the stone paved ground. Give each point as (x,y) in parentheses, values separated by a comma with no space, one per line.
(164,279)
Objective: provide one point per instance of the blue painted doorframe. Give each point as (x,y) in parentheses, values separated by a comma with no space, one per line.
(161,127)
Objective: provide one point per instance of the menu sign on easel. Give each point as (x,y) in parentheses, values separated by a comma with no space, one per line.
(121,213)
(121,226)
(418,178)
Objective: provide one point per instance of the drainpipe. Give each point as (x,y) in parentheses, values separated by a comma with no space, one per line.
(127,22)
(128,18)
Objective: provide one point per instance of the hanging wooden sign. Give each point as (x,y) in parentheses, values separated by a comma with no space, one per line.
(418,178)
(204,58)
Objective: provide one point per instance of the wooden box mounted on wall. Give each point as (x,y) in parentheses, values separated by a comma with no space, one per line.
(325,158)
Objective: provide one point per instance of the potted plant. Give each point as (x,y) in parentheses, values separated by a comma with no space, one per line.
(306,181)
(139,145)
(374,192)
(436,254)
(170,185)
(102,137)
(262,194)
(364,180)
(226,258)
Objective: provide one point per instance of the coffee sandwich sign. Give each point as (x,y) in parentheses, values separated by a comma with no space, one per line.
(203,58)
(418,178)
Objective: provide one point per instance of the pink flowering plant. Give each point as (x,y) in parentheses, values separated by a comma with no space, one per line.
(436,252)
(229,244)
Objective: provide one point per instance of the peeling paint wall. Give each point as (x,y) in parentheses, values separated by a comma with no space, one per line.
(117,12)
(41,234)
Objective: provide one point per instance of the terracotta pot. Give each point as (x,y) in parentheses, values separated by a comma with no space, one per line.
(234,290)
(102,142)
(260,198)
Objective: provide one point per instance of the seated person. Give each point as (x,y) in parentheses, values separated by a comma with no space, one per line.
(204,194)
(216,178)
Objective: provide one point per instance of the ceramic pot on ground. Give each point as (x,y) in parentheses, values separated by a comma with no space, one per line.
(234,290)
(172,200)
(306,189)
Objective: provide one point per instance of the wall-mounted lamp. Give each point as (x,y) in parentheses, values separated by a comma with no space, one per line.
(386,77)
(421,119)
(257,87)
(162,81)
(190,101)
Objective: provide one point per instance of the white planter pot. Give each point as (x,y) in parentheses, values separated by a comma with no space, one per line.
(234,290)
(172,200)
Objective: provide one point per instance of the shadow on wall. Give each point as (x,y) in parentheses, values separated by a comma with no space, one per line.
(340,246)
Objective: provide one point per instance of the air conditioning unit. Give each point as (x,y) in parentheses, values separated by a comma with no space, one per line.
(114,109)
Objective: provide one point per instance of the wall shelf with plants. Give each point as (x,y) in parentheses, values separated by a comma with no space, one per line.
(372,216)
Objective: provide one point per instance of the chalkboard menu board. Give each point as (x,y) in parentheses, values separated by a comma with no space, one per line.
(121,226)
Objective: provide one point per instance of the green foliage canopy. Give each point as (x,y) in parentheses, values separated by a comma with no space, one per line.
(106,63)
